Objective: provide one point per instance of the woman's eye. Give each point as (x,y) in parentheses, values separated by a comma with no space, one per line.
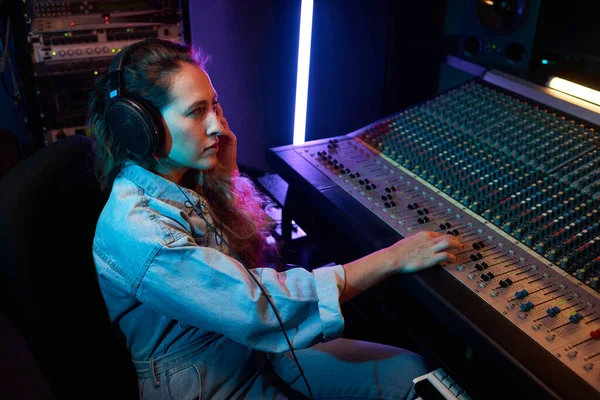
(198,111)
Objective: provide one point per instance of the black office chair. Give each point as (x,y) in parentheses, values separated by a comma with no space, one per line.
(49,206)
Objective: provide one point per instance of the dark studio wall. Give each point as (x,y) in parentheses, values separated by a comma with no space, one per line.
(369,60)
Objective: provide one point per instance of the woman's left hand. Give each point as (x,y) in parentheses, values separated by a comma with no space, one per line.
(227,154)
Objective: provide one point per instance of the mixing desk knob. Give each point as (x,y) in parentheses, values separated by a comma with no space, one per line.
(595,334)
(581,273)
(572,355)
(529,241)
(595,282)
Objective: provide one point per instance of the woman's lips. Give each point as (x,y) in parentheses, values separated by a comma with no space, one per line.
(214,147)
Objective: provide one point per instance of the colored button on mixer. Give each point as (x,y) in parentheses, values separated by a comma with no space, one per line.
(553,311)
(522,294)
(595,334)
(575,318)
(527,306)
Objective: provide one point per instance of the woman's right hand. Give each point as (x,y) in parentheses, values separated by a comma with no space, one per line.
(423,250)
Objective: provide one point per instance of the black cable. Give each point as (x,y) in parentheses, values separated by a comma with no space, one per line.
(12,96)
(190,204)
(4,58)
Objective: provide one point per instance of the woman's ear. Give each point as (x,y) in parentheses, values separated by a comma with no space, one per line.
(165,143)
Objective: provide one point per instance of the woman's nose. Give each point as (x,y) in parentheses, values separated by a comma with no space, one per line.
(214,125)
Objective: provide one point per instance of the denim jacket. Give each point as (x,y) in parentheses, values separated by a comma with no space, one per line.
(169,286)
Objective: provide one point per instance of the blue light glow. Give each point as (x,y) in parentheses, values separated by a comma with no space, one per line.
(303,71)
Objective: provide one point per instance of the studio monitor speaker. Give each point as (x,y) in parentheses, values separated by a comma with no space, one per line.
(499,33)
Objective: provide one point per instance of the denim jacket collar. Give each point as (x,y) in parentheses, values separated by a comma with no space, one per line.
(158,187)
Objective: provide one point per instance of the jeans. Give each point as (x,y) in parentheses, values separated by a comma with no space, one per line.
(339,369)
(344,369)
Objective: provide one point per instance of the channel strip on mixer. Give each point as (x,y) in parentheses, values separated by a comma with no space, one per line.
(516,181)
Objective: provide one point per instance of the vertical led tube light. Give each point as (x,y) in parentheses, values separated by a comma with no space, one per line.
(303,71)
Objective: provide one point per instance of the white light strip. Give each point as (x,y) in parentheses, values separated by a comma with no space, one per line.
(303,71)
(575,90)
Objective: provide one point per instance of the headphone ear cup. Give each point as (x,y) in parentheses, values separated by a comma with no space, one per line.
(136,124)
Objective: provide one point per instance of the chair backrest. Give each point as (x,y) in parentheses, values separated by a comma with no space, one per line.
(49,206)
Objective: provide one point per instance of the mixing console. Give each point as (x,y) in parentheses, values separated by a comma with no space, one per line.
(515,181)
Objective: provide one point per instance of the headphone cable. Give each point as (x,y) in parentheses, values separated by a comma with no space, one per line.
(191,205)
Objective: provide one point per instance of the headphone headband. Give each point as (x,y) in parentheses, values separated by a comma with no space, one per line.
(115,72)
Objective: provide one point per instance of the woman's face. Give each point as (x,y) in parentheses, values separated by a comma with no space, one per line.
(191,121)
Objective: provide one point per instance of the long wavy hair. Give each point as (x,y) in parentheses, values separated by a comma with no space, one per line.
(148,72)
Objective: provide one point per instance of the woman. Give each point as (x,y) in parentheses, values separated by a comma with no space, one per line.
(172,239)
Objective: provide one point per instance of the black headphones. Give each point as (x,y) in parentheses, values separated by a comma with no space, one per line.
(133,121)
